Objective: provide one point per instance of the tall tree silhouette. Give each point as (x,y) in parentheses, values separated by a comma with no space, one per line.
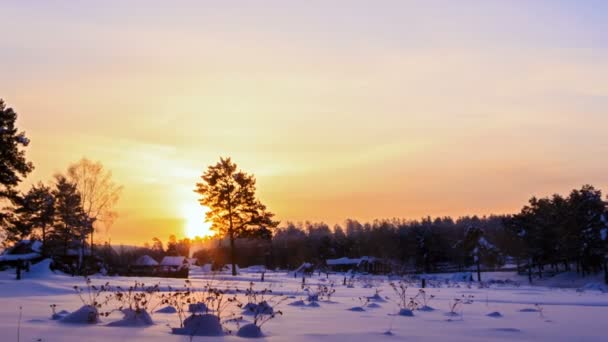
(71,221)
(13,164)
(36,210)
(234,210)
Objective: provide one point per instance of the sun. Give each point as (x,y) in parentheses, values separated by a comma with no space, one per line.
(195,225)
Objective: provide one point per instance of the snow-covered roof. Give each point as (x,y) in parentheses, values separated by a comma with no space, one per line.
(343,261)
(15,257)
(349,261)
(146,260)
(22,250)
(36,246)
(305,266)
(173,261)
(485,244)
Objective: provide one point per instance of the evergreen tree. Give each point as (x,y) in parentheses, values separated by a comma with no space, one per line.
(587,210)
(71,222)
(479,249)
(39,209)
(13,165)
(16,225)
(233,207)
(172,246)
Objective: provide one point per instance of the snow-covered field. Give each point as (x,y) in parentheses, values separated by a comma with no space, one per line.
(567,314)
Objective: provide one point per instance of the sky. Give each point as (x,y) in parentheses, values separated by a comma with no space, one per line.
(342,109)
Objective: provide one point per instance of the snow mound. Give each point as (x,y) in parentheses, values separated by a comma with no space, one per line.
(593,287)
(87,314)
(528,310)
(494,314)
(197,308)
(314,305)
(406,313)
(511,330)
(250,331)
(41,269)
(426,308)
(377,298)
(59,315)
(462,276)
(357,309)
(255,269)
(133,318)
(200,325)
(374,306)
(167,310)
(255,309)
(297,303)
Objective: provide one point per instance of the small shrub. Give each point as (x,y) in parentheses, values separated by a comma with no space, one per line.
(261,304)
(138,298)
(90,295)
(422,299)
(349,282)
(540,310)
(180,300)
(454,305)
(320,293)
(400,290)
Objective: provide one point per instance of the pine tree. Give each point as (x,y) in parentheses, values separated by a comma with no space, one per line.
(16,224)
(233,207)
(71,222)
(39,207)
(13,165)
(587,209)
(172,246)
(479,248)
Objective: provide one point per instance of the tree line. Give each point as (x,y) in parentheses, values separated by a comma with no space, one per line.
(63,214)
(556,232)
(551,234)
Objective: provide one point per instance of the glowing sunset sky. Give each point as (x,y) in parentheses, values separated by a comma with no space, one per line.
(361,109)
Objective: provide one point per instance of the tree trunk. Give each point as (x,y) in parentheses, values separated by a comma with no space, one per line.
(478,271)
(530,271)
(44,240)
(606,270)
(81,256)
(232,254)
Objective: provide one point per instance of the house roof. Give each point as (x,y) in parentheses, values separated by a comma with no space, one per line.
(343,261)
(173,261)
(349,261)
(22,250)
(146,260)
(15,257)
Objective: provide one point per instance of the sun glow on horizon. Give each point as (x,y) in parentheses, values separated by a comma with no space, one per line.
(195,224)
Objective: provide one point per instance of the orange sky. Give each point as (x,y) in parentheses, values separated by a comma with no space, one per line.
(371,110)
